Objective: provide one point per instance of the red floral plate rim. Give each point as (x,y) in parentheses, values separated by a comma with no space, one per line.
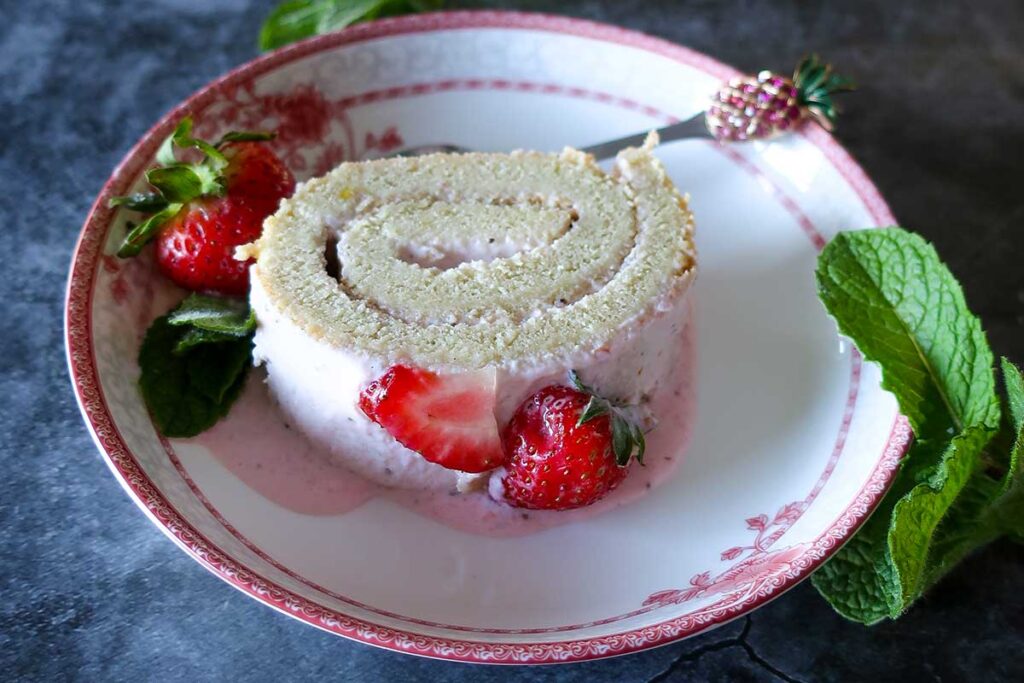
(78,337)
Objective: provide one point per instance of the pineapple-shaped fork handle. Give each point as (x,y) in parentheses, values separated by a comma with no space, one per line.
(746,108)
(753,108)
(761,107)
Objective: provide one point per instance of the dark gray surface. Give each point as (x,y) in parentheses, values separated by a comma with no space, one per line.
(91,590)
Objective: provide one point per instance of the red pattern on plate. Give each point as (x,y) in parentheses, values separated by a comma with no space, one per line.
(761,560)
(307,135)
(787,566)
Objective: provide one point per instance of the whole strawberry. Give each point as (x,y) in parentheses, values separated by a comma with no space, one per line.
(567,447)
(202,211)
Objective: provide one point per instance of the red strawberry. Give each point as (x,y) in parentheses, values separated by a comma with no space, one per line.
(567,448)
(204,210)
(195,249)
(258,175)
(448,419)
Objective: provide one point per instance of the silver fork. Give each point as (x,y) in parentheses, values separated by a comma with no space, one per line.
(744,108)
(695,127)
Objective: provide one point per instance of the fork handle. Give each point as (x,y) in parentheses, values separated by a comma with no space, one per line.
(694,127)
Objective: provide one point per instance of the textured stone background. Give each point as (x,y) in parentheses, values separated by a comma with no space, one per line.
(90,589)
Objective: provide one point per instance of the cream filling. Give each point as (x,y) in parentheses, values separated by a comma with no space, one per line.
(317,386)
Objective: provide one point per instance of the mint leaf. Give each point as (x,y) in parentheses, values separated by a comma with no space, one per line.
(1008,511)
(194,361)
(195,336)
(917,515)
(902,549)
(289,22)
(1014,383)
(338,15)
(230,317)
(988,508)
(297,19)
(857,580)
(890,293)
(968,525)
(860,580)
(187,393)
(233,359)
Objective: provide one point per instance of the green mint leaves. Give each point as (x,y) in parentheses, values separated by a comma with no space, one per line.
(627,436)
(297,19)
(194,362)
(1014,383)
(958,487)
(889,292)
(176,183)
(231,317)
(917,515)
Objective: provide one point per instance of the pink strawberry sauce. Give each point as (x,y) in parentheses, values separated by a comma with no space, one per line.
(256,445)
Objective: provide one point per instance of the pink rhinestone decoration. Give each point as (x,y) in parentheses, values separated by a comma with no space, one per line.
(749,108)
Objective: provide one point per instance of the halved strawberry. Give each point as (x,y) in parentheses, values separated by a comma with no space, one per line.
(448,419)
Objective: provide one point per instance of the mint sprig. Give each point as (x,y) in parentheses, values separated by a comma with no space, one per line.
(1014,383)
(959,486)
(890,293)
(297,19)
(194,362)
(231,317)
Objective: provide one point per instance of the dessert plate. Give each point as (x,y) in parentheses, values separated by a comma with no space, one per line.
(791,439)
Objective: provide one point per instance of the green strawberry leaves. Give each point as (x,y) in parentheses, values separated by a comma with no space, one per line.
(297,19)
(176,183)
(194,362)
(142,233)
(181,184)
(957,487)
(244,136)
(146,202)
(627,436)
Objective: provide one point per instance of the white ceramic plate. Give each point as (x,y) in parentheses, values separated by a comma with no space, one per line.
(793,441)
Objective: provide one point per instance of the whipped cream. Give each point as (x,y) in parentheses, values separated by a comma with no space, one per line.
(317,386)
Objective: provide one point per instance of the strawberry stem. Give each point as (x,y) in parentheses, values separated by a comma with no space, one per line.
(176,183)
(627,436)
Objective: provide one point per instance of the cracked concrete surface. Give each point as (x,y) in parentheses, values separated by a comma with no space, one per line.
(91,591)
(688,665)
